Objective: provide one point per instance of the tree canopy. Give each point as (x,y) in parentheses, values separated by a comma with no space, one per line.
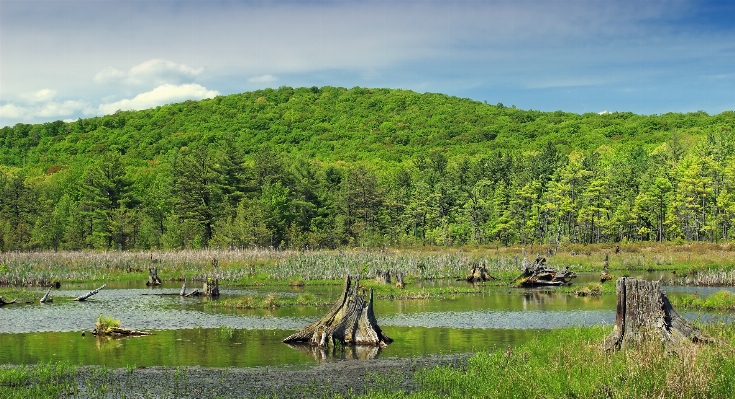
(329,167)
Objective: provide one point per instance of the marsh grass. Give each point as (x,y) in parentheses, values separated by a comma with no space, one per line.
(272,267)
(105,323)
(45,380)
(723,301)
(569,363)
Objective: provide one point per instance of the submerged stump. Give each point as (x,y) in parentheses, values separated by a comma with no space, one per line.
(478,274)
(644,313)
(351,321)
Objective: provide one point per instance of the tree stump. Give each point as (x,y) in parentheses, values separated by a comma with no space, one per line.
(351,321)
(153,278)
(643,313)
(211,288)
(479,274)
(399,280)
(382,276)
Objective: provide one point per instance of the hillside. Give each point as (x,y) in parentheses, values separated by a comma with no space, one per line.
(327,167)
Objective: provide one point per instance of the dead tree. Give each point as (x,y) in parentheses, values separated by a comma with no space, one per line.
(644,312)
(89,294)
(478,274)
(153,278)
(399,280)
(351,321)
(211,288)
(539,274)
(382,276)
(47,297)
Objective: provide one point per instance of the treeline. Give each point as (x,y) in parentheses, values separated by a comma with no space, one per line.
(332,167)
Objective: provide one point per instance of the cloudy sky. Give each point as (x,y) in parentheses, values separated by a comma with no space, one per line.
(64,59)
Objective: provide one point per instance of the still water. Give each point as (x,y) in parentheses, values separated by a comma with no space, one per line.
(188,332)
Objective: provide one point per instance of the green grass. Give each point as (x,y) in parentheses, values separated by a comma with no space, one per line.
(45,380)
(723,301)
(569,363)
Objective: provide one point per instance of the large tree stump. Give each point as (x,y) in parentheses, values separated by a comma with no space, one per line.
(644,313)
(351,321)
(153,279)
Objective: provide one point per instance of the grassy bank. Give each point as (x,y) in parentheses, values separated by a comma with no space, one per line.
(569,364)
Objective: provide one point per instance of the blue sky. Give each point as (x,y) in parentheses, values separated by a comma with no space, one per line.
(63,59)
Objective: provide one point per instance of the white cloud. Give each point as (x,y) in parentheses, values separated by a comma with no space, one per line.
(55,109)
(163,94)
(43,95)
(10,111)
(152,72)
(263,79)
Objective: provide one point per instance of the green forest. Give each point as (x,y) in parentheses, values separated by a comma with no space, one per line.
(334,167)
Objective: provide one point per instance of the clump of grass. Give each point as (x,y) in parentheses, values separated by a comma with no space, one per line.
(105,324)
(591,289)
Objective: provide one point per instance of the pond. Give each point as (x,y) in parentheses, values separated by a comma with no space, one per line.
(187,332)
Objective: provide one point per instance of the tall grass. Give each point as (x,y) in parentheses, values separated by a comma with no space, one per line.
(46,380)
(265,266)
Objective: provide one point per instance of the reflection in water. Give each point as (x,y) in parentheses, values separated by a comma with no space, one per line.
(337,352)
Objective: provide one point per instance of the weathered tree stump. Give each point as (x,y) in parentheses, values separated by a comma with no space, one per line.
(478,274)
(382,276)
(153,278)
(399,280)
(89,294)
(351,321)
(211,288)
(644,313)
(539,274)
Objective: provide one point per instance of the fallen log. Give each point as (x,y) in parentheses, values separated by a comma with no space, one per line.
(3,303)
(351,321)
(117,331)
(89,294)
(645,313)
(183,289)
(47,297)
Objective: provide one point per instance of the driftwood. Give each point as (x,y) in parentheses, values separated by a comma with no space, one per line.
(153,279)
(645,313)
(117,331)
(479,274)
(539,274)
(183,289)
(47,297)
(3,303)
(351,321)
(89,294)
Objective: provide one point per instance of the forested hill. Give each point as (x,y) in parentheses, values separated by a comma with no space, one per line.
(328,167)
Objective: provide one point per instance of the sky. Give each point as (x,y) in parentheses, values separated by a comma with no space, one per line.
(69,59)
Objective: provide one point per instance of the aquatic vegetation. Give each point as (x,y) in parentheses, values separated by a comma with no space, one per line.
(719,301)
(45,380)
(105,323)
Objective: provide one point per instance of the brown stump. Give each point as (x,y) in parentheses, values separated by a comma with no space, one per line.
(211,288)
(479,274)
(351,321)
(153,278)
(643,313)
(382,276)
